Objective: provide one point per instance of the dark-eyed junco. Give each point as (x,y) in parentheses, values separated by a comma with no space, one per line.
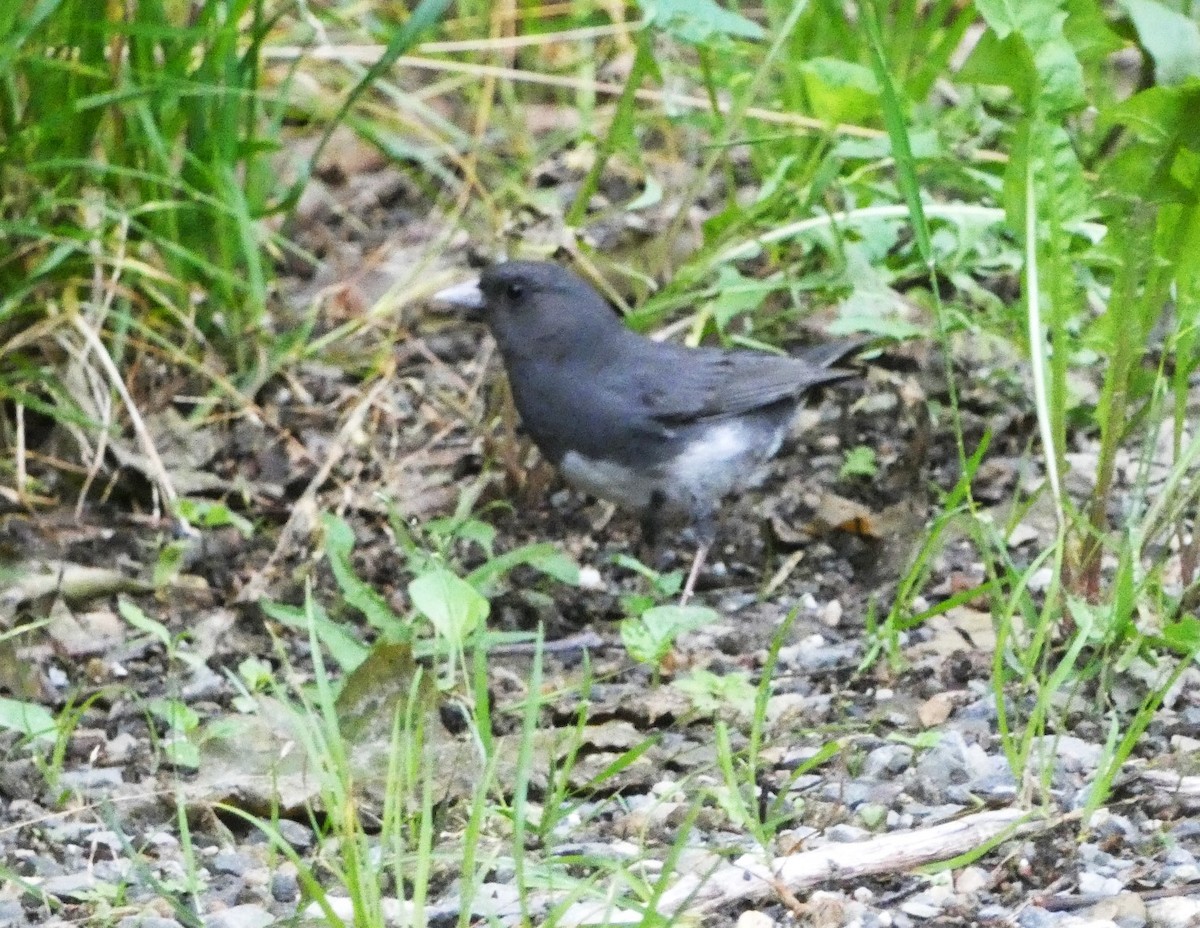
(662,429)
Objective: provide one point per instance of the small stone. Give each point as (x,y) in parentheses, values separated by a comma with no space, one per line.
(1127,910)
(831,615)
(298,835)
(240,916)
(593,912)
(230,863)
(887,760)
(285,887)
(935,710)
(1174,912)
(1178,874)
(1094,884)
(845,834)
(971,880)
(147,921)
(918,908)
(590,579)
(74,886)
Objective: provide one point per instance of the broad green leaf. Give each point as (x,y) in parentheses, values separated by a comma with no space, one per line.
(840,91)
(737,294)
(339,543)
(698,22)
(650,636)
(169,563)
(1171,39)
(178,715)
(1183,636)
(453,606)
(30,719)
(1027,50)
(710,693)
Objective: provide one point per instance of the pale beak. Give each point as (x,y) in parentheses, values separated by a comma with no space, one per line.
(466,295)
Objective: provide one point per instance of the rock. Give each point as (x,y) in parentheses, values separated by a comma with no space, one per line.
(93,780)
(394,911)
(239,916)
(971,880)
(845,834)
(147,921)
(298,835)
(1095,884)
(755,920)
(230,863)
(1127,910)
(285,887)
(1174,912)
(595,912)
(887,760)
(73,886)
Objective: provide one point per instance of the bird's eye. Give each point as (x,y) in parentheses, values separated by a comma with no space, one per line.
(514,291)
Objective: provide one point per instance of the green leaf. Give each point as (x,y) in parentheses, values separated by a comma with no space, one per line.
(1029,52)
(840,91)
(169,563)
(859,462)
(29,719)
(698,22)
(649,637)
(182,752)
(453,606)
(1183,636)
(210,514)
(346,650)
(737,294)
(540,556)
(178,715)
(1169,37)
(133,614)
(710,692)
(339,543)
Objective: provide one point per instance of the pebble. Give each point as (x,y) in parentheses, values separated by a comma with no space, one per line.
(845,834)
(1096,884)
(147,921)
(593,912)
(297,834)
(754,919)
(971,880)
(73,886)
(1127,910)
(889,759)
(239,916)
(285,887)
(230,863)
(1174,912)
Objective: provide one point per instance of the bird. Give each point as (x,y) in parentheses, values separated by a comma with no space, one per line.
(663,429)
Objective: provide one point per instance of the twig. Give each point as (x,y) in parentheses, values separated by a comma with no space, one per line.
(750,879)
(158,471)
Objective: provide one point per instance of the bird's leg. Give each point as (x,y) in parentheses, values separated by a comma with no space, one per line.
(697,563)
(650,522)
(705,527)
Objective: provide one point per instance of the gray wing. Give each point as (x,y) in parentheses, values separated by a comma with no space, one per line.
(713,384)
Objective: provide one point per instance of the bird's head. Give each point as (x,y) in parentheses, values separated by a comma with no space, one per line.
(534,305)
